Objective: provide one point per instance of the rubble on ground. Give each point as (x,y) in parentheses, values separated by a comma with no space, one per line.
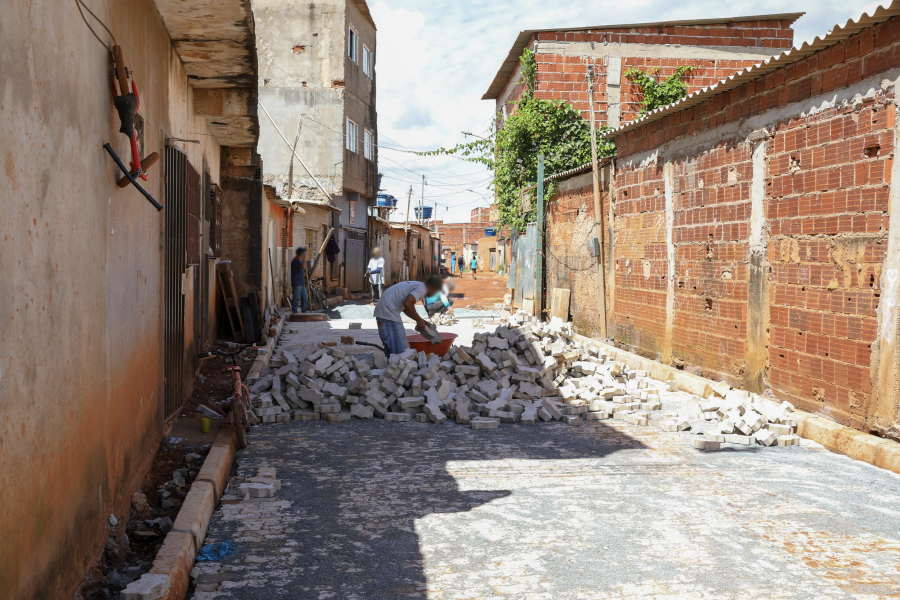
(526,372)
(444,318)
(263,485)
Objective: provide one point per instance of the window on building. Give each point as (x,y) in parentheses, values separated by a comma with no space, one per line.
(352,44)
(352,136)
(369,146)
(399,251)
(368,61)
(352,211)
(312,244)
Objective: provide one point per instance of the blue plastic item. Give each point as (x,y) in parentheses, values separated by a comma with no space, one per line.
(215,552)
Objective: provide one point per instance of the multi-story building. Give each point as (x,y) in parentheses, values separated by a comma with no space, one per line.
(317,84)
(714,48)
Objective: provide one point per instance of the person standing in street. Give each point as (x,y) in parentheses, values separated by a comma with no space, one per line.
(298,281)
(375,273)
(474,266)
(460,263)
(402,297)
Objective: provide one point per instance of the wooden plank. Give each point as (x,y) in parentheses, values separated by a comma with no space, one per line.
(559,303)
(226,283)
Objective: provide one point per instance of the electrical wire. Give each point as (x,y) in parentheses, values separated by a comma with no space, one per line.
(81,4)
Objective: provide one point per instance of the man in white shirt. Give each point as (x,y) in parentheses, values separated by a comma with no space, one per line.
(375,273)
(402,297)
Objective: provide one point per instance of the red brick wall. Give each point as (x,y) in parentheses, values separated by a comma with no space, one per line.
(827,213)
(564,77)
(711,195)
(827,178)
(452,234)
(768,34)
(568,263)
(641,261)
(873,51)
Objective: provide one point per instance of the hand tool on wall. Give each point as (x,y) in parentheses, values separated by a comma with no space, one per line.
(127,105)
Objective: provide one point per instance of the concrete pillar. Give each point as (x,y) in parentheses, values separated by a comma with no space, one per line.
(755,356)
(669,179)
(614,91)
(884,405)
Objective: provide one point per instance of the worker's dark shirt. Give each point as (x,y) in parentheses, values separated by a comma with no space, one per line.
(298,273)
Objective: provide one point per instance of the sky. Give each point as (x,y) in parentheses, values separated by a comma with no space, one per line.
(436,58)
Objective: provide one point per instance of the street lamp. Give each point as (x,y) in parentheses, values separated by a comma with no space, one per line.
(483,197)
(473,135)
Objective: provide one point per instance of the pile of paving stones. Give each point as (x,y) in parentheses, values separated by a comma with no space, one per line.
(526,372)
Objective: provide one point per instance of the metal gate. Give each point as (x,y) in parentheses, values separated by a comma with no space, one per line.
(523,272)
(180,178)
(355,260)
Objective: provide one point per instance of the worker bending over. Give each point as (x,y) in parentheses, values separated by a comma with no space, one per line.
(440,302)
(402,297)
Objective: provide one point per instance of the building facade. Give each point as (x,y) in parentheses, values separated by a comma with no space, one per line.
(108,300)
(755,232)
(317,83)
(714,48)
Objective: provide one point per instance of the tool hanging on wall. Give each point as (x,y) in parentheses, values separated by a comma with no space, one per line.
(127,104)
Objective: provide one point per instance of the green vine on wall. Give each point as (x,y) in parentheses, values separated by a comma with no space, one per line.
(536,126)
(659,93)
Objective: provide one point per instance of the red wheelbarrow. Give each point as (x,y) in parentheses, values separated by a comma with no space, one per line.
(420,344)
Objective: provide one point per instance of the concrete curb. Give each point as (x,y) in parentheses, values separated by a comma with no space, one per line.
(176,556)
(264,357)
(837,438)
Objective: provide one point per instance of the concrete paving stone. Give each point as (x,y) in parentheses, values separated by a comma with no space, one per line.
(336,417)
(327,408)
(148,587)
(397,416)
(304,415)
(595,416)
(362,412)
(744,440)
(258,490)
(484,423)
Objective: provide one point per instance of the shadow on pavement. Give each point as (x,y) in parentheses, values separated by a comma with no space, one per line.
(358,488)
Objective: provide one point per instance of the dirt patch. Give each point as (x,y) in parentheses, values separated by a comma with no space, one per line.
(133,545)
(480,294)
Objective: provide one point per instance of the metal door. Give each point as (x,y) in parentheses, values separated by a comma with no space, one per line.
(355,260)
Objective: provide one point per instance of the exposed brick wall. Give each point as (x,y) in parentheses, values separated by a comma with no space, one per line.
(768,34)
(826,181)
(453,235)
(641,260)
(827,212)
(711,195)
(568,263)
(859,57)
(563,77)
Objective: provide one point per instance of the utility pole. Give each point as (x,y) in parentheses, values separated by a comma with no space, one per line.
(598,216)
(539,245)
(406,256)
(422,201)
(290,190)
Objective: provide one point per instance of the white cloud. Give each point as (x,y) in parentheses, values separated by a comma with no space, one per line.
(436,58)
